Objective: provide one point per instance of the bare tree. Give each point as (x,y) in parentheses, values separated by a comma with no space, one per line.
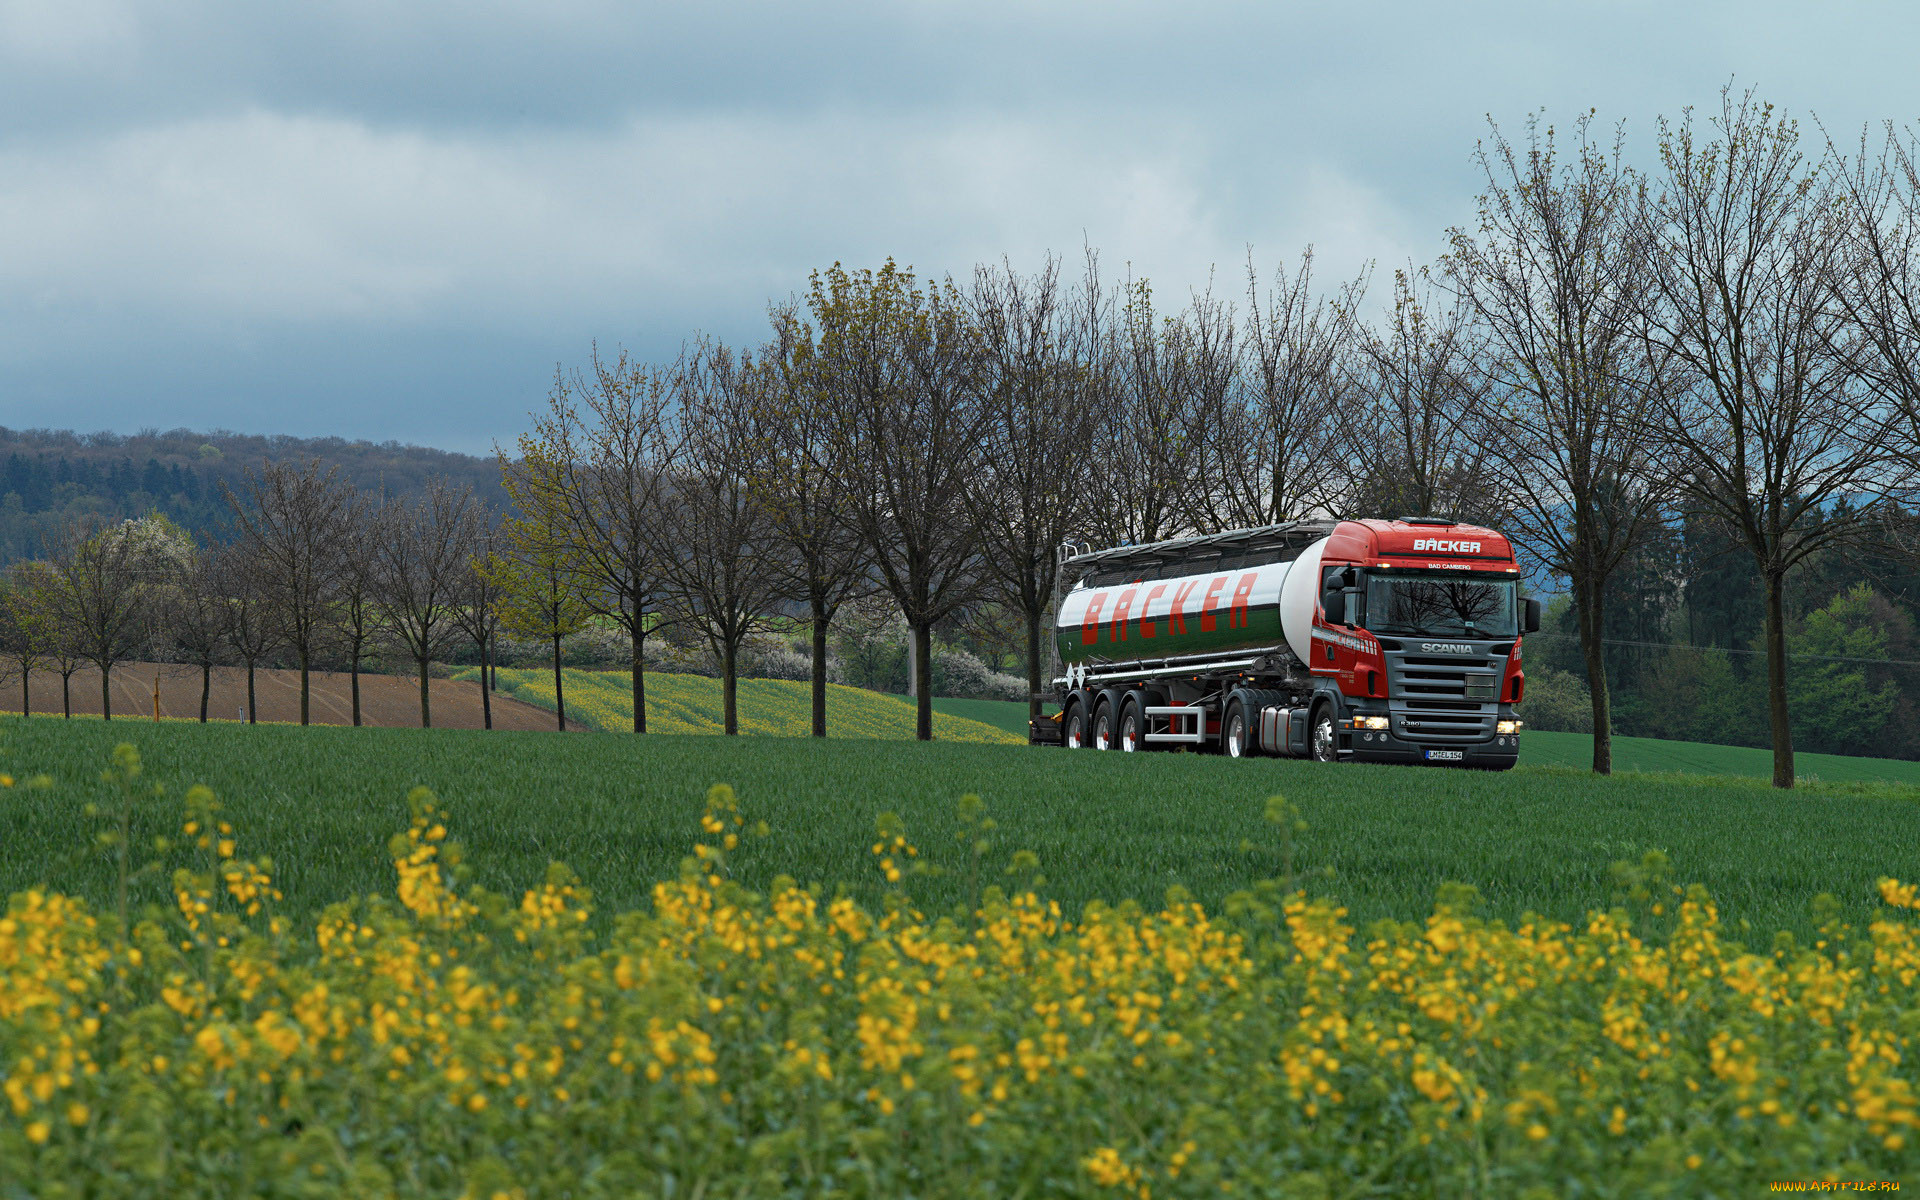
(713,551)
(296,522)
(251,629)
(1273,455)
(1554,273)
(1148,416)
(37,592)
(1879,291)
(195,617)
(30,627)
(1748,243)
(1032,486)
(421,564)
(1406,444)
(357,622)
(588,480)
(904,362)
(477,610)
(102,597)
(538,597)
(804,492)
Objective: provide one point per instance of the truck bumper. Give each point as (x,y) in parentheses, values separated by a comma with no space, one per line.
(1497,753)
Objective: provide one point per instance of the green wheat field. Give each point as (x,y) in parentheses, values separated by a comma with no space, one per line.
(623,811)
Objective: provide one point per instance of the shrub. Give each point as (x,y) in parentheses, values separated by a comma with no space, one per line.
(959,674)
(1556,701)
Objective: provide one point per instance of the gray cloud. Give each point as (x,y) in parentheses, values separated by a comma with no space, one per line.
(381,220)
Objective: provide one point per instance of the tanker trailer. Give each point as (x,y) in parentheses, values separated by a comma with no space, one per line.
(1371,640)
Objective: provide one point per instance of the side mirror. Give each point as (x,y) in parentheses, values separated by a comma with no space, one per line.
(1530,619)
(1335,604)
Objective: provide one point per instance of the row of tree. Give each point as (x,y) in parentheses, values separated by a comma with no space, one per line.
(1728,336)
(318,572)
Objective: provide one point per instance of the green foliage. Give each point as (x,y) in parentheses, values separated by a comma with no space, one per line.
(437,1037)
(1556,700)
(1832,702)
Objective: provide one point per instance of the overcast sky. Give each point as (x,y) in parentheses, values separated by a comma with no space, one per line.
(391,220)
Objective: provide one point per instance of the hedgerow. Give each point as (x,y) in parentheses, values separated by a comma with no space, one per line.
(450,1041)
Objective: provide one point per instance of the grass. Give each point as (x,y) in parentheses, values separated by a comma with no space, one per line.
(622,811)
(1009,715)
(1702,758)
(1576,750)
(693,704)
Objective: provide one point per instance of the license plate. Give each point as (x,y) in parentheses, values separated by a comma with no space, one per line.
(1444,755)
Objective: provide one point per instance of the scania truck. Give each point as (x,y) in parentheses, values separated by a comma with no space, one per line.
(1365,640)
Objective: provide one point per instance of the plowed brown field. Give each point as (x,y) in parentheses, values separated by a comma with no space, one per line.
(391,700)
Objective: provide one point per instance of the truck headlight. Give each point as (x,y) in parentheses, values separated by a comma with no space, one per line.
(1508,726)
(1373,722)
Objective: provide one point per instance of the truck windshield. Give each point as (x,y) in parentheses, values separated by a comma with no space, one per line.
(1441,606)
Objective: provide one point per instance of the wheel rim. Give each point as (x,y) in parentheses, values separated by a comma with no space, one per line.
(1129,735)
(1323,740)
(1103,734)
(1075,738)
(1236,736)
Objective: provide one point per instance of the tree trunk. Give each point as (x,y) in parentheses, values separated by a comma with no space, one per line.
(559,693)
(206,689)
(923,682)
(26,692)
(820,620)
(486,693)
(353,683)
(729,690)
(303,685)
(253,711)
(426,713)
(1777,683)
(1033,664)
(106,693)
(66,695)
(1589,600)
(639,688)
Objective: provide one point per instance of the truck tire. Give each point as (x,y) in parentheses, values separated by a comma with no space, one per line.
(1133,720)
(1323,743)
(1073,724)
(1234,726)
(1103,725)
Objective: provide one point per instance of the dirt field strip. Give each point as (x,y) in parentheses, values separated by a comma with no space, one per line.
(385,700)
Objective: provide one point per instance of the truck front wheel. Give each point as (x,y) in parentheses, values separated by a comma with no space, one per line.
(1326,743)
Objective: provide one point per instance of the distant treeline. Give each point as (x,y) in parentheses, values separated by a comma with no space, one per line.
(51,476)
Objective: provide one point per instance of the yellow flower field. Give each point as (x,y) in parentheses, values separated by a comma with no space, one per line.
(448,1041)
(693,704)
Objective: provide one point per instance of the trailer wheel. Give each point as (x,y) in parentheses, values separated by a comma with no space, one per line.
(1233,731)
(1073,725)
(1133,724)
(1103,724)
(1324,743)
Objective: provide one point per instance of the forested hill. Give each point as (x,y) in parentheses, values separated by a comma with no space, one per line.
(48,476)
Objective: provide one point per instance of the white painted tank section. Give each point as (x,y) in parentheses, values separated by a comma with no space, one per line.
(1295,592)
(1300,600)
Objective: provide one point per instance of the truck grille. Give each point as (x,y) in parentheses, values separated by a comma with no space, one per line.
(1443,699)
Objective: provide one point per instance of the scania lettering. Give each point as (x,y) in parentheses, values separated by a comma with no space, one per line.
(1312,639)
